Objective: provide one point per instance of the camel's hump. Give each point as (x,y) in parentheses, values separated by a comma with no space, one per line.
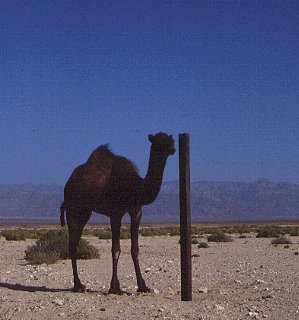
(103,154)
(100,153)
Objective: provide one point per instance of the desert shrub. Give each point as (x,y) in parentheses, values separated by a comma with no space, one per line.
(281,240)
(125,234)
(242,229)
(173,231)
(203,245)
(53,245)
(104,234)
(294,233)
(101,233)
(294,230)
(35,256)
(88,232)
(219,236)
(14,235)
(107,234)
(151,232)
(194,241)
(146,232)
(87,251)
(23,234)
(269,232)
(196,231)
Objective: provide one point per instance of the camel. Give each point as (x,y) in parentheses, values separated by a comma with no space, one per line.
(110,184)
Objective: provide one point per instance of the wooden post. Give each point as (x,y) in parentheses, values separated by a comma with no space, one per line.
(185,218)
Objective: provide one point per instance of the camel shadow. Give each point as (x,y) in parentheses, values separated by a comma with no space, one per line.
(22,287)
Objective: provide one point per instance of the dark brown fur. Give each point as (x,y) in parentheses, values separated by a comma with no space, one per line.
(109,184)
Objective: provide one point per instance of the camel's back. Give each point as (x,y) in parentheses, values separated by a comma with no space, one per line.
(115,167)
(102,169)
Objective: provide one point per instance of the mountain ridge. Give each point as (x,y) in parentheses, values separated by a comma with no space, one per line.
(210,201)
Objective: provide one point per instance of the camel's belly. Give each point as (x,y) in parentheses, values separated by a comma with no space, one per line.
(113,204)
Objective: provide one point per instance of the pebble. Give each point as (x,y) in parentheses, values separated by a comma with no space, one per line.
(258,281)
(218,307)
(203,290)
(267,296)
(147,270)
(253,314)
(58,302)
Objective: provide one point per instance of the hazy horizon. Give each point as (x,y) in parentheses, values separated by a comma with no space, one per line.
(163,182)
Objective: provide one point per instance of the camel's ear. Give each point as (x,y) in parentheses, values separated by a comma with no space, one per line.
(151,138)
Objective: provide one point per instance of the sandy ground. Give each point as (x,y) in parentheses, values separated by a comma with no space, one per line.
(245,279)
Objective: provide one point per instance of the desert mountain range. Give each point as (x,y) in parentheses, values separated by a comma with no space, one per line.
(210,201)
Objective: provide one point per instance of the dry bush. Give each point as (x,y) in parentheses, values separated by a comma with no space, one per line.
(219,236)
(53,245)
(281,240)
(203,245)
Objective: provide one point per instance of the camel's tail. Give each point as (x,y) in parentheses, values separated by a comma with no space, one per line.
(62,209)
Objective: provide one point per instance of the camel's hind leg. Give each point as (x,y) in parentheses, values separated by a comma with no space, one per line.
(135,223)
(76,222)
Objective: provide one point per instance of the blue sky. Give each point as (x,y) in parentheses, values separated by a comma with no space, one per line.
(77,74)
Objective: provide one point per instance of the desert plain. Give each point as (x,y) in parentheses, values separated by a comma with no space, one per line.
(248,278)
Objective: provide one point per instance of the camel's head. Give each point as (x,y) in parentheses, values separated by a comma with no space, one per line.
(162,143)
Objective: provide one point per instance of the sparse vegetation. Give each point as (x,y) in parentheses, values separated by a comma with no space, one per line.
(53,245)
(103,234)
(198,232)
(21,234)
(159,231)
(281,240)
(219,236)
(14,235)
(294,233)
(203,245)
(194,241)
(149,231)
(270,232)
(107,234)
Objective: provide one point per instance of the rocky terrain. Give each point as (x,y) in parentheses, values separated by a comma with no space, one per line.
(244,279)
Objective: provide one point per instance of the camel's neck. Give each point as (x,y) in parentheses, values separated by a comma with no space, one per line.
(153,179)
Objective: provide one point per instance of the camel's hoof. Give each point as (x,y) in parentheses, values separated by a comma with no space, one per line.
(79,288)
(145,289)
(116,291)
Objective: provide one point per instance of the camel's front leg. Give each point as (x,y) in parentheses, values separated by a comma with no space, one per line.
(115,228)
(135,222)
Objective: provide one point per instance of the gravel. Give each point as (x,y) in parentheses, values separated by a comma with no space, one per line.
(244,279)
